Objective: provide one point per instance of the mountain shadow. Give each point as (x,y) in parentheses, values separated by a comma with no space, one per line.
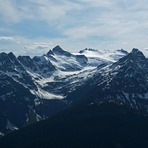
(100,125)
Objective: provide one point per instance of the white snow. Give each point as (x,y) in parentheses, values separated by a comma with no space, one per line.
(66,73)
(101,54)
(126,95)
(10,126)
(1,134)
(45,95)
(63,62)
(143,96)
(27,118)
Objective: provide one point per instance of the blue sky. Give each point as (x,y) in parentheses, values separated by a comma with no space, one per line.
(35,26)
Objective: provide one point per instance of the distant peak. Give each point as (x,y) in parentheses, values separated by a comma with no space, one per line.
(122,51)
(50,52)
(57,48)
(88,49)
(10,54)
(137,52)
(135,55)
(3,54)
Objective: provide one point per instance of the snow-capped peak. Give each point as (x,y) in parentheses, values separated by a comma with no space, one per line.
(58,51)
(105,55)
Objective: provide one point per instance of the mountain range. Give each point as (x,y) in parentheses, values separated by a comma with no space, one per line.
(34,89)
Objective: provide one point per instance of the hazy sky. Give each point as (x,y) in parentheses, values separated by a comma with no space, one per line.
(35,26)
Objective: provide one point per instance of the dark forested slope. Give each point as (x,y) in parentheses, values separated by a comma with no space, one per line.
(96,125)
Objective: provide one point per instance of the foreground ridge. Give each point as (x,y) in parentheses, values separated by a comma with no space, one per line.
(106,124)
